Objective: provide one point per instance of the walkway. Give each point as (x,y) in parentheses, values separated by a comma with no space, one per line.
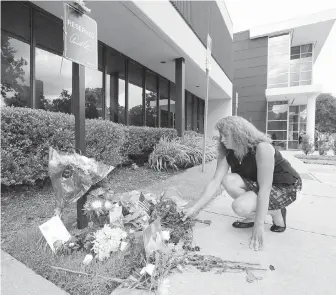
(304,256)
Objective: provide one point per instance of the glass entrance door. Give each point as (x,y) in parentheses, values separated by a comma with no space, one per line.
(297,125)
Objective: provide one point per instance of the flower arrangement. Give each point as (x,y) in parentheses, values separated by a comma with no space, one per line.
(108,240)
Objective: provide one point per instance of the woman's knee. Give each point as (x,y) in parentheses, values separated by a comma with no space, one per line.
(245,204)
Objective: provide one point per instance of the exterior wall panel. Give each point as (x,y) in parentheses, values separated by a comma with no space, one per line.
(250,78)
(205,17)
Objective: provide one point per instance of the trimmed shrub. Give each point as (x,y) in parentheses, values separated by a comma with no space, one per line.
(333,147)
(140,141)
(307,145)
(181,153)
(323,148)
(27,135)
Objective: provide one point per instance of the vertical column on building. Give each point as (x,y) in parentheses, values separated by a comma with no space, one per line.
(311,106)
(126,91)
(194,112)
(114,97)
(33,99)
(180,95)
(158,95)
(144,117)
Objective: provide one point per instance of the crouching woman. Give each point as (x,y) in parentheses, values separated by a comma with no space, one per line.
(261,181)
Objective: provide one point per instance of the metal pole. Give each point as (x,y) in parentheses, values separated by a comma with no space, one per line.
(236,103)
(205,119)
(78,95)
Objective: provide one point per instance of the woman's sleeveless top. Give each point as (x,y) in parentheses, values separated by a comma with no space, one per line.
(284,173)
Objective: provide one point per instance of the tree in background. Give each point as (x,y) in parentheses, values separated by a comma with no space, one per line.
(62,103)
(325,118)
(12,75)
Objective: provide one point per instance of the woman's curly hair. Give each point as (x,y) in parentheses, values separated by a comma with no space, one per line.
(243,134)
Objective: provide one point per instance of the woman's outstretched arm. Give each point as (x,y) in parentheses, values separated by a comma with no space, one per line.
(213,186)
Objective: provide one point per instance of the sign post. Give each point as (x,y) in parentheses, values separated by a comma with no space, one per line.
(81,47)
(207,69)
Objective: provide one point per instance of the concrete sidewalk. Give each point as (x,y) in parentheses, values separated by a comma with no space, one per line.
(18,279)
(304,256)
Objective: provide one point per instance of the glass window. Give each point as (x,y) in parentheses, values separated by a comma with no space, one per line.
(172,104)
(280,145)
(278,39)
(295,50)
(278,49)
(303,113)
(164,102)
(135,76)
(293,127)
(53,82)
(305,76)
(295,77)
(151,99)
(277,111)
(278,135)
(306,66)
(15,19)
(293,145)
(278,61)
(48,33)
(93,94)
(15,72)
(277,125)
(306,57)
(278,79)
(307,48)
(115,86)
(293,135)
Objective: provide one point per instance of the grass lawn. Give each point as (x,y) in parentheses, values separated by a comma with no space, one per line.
(317,159)
(24,210)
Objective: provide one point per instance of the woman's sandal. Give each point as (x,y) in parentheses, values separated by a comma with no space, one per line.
(239,224)
(279,229)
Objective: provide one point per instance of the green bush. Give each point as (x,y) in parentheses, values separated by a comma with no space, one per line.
(27,135)
(141,140)
(181,153)
(333,147)
(323,148)
(307,145)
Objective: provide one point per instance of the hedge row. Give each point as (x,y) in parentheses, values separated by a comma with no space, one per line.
(27,134)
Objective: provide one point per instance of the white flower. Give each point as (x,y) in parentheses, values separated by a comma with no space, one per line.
(88,259)
(107,240)
(123,246)
(149,268)
(96,205)
(165,235)
(108,205)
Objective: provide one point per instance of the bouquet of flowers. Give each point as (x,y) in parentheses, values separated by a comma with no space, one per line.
(72,175)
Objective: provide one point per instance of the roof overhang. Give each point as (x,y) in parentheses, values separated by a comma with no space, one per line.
(314,28)
(296,95)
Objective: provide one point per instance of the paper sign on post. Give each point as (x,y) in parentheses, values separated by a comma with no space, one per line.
(54,230)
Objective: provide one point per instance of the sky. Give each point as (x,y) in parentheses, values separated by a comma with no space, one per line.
(246,14)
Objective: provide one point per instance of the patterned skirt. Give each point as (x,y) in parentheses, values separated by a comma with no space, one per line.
(281,195)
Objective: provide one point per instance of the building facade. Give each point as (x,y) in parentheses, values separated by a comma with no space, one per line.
(151,61)
(274,76)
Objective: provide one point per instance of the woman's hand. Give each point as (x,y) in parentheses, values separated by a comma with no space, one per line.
(257,239)
(189,211)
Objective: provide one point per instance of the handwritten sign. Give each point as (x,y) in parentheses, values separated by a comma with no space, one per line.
(80,37)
